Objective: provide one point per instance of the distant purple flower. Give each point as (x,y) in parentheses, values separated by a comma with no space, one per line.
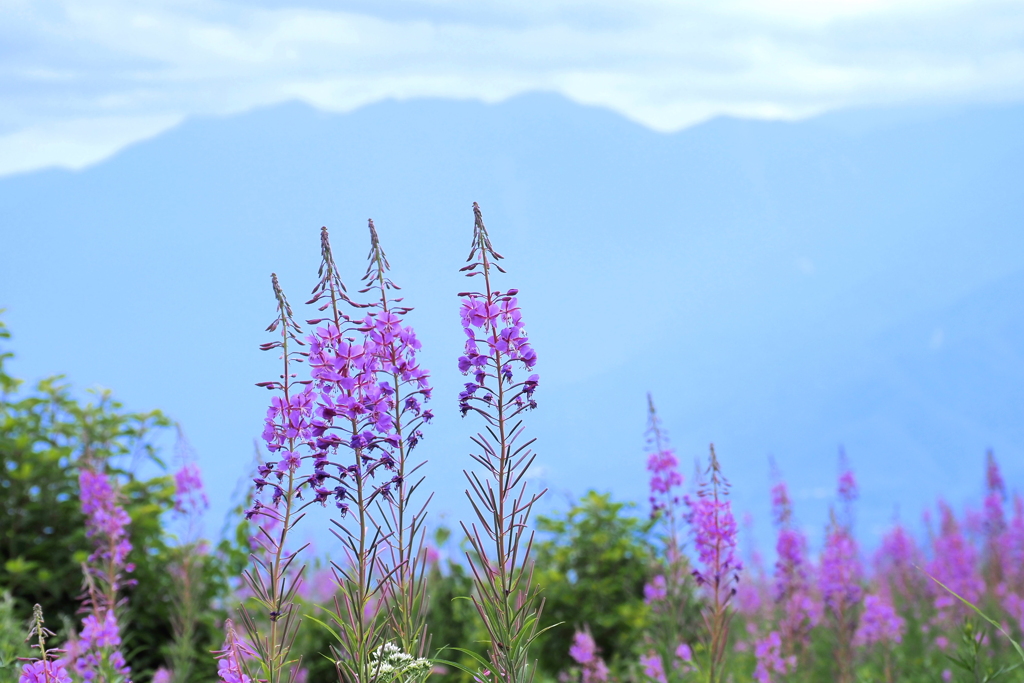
(162,675)
(714,533)
(847,486)
(653,667)
(655,590)
(189,496)
(955,564)
(664,475)
(879,623)
(896,563)
(841,573)
(993,478)
(684,652)
(583,648)
(791,563)
(768,652)
(45,672)
(782,508)
(1011,550)
(106,521)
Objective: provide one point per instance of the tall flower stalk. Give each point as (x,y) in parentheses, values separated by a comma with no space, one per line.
(97,650)
(669,593)
(841,577)
(394,346)
(360,369)
(272,578)
(714,530)
(190,504)
(497,347)
(797,610)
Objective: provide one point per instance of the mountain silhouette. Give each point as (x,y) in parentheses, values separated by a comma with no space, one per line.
(784,289)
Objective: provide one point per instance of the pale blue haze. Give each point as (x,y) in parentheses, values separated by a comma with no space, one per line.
(783,289)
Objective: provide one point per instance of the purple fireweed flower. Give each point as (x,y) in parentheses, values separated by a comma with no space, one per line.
(107,526)
(162,675)
(714,534)
(653,667)
(655,590)
(896,563)
(189,496)
(847,487)
(993,478)
(879,623)
(799,610)
(841,575)
(106,521)
(101,632)
(98,642)
(583,648)
(782,507)
(665,483)
(1011,549)
(229,659)
(664,475)
(497,319)
(45,672)
(369,388)
(954,563)
(496,339)
(768,652)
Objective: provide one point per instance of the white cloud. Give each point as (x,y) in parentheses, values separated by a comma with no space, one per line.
(67,64)
(75,143)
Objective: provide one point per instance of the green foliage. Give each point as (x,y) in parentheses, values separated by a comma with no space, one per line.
(43,434)
(13,631)
(592,568)
(452,620)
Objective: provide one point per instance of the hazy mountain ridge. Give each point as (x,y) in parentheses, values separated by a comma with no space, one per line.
(777,285)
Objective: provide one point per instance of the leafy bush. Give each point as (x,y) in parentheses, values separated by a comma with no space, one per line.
(592,567)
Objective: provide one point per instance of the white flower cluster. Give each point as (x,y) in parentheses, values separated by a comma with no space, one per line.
(391,664)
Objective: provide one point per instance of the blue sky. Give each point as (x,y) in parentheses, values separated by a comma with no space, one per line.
(80,79)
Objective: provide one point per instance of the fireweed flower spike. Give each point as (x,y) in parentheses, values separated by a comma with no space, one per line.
(393,346)
(354,444)
(841,578)
(272,579)
(714,532)
(98,656)
(186,569)
(584,651)
(795,605)
(497,349)
(665,481)
(669,593)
